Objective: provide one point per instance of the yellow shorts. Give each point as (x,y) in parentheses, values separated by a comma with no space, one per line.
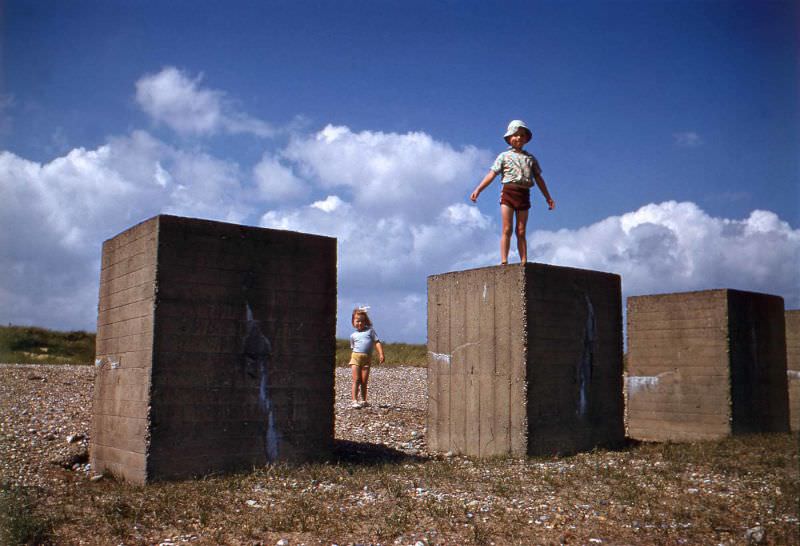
(362,360)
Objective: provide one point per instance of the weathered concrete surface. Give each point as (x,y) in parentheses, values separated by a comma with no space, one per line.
(215,347)
(704,365)
(524,360)
(793,365)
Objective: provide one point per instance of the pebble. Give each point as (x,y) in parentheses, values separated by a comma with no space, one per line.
(755,535)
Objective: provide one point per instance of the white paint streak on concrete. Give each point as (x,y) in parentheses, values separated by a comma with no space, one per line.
(439,357)
(257,351)
(448,358)
(485,289)
(113,361)
(793,374)
(636,383)
(587,358)
(465,345)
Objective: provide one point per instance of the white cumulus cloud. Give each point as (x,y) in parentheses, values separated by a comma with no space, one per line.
(397,203)
(55,215)
(176,99)
(674,247)
(412,174)
(277,182)
(329,204)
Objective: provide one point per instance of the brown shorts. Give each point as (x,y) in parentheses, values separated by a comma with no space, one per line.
(516,197)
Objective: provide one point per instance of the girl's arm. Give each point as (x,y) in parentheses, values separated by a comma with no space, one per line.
(379,348)
(482,186)
(543,188)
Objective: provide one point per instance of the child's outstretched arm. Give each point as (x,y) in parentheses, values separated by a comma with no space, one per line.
(379,348)
(482,186)
(543,188)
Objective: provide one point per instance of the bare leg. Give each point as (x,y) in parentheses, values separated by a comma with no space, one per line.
(364,381)
(522,242)
(356,382)
(507,216)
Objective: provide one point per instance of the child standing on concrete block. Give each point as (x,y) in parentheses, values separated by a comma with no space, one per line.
(519,170)
(361,343)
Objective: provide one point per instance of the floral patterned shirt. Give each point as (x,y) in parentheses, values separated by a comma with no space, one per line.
(517,167)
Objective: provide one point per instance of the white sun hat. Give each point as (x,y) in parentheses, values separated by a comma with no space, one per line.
(514,126)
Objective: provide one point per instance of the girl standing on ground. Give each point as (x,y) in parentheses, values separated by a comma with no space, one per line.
(519,170)
(361,342)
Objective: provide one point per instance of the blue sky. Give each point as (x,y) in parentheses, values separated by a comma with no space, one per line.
(668,132)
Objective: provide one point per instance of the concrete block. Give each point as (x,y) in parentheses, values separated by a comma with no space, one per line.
(793,365)
(524,359)
(705,365)
(215,349)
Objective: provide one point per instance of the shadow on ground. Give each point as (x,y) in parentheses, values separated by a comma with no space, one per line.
(365,453)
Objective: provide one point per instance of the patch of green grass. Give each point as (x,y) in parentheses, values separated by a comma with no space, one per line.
(32,345)
(397,354)
(19,521)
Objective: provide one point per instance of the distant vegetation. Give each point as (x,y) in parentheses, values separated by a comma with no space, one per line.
(29,344)
(397,354)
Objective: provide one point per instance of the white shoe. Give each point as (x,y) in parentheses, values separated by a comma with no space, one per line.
(355,405)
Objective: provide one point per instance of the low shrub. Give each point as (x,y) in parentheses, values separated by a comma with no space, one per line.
(397,354)
(32,345)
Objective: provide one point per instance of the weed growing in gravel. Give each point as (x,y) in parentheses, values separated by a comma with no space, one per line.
(400,518)
(480,535)
(395,487)
(19,521)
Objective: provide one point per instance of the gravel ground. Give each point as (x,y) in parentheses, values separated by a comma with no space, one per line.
(396,414)
(731,492)
(45,417)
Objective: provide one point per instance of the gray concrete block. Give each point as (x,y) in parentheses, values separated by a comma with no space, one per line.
(215,349)
(705,365)
(524,360)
